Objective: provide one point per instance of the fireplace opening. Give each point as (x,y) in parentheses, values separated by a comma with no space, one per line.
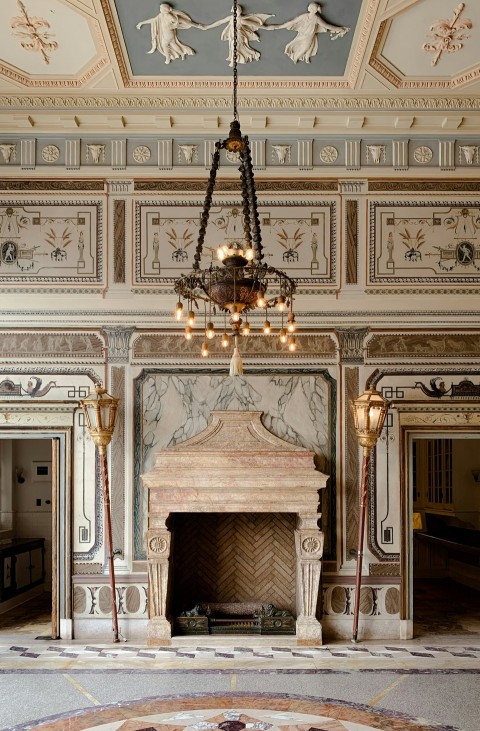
(237,569)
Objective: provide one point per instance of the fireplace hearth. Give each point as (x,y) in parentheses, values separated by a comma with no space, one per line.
(240,618)
(237,467)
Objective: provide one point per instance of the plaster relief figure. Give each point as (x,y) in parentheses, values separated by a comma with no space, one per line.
(164,27)
(376,152)
(97,153)
(189,152)
(282,152)
(470,153)
(247,25)
(8,152)
(307,26)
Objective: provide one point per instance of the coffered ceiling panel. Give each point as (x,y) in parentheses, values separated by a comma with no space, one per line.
(429,44)
(46,42)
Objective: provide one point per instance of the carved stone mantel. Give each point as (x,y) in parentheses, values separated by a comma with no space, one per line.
(235,465)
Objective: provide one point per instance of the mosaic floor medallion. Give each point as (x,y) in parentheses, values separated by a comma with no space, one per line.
(232,712)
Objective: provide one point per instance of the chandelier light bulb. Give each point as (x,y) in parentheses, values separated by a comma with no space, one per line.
(225,340)
(210,331)
(283,335)
(188,332)
(205,349)
(261,301)
(246,329)
(249,253)
(191,318)
(235,314)
(179,311)
(292,325)
(267,328)
(281,304)
(292,344)
(221,253)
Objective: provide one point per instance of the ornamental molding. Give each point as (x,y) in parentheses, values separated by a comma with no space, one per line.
(423,186)
(233,186)
(157,101)
(53,185)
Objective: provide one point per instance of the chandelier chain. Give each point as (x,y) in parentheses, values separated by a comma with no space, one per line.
(207,205)
(235,61)
(248,169)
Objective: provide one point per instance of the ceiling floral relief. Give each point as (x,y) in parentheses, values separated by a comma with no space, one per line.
(33,33)
(447,35)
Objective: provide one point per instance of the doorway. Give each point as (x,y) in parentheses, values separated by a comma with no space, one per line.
(29,533)
(444,475)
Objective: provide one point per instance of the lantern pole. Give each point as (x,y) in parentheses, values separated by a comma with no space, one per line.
(369,412)
(100,411)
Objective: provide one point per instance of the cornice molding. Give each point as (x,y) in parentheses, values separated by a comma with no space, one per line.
(318,103)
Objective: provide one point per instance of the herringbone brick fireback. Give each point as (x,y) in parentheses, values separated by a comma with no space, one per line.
(233,557)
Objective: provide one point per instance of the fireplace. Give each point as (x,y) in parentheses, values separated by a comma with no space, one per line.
(234,477)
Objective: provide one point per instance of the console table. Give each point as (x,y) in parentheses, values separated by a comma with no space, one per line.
(22,566)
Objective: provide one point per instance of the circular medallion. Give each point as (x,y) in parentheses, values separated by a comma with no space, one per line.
(233,157)
(142,153)
(311,544)
(157,544)
(328,154)
(423,154)
(50,153)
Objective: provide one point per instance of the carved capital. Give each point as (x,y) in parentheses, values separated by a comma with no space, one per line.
(118,343)
(351,344)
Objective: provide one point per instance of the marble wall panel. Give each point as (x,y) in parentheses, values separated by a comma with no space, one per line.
(300,409)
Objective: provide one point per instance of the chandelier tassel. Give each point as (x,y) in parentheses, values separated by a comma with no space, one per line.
(236,365)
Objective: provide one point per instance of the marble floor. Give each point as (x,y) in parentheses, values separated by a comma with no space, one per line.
(241,683)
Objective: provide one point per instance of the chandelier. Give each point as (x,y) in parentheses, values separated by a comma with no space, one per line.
(242,282)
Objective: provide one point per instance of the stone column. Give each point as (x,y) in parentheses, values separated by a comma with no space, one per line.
(158,561)
(309,550)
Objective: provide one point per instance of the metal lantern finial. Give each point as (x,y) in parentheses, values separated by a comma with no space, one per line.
(100,411)
(369,411)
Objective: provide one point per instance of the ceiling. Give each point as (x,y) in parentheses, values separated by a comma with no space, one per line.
(84,57)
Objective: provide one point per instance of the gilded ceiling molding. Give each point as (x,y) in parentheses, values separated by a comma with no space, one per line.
(365,31)
(325,103)
(114,37)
